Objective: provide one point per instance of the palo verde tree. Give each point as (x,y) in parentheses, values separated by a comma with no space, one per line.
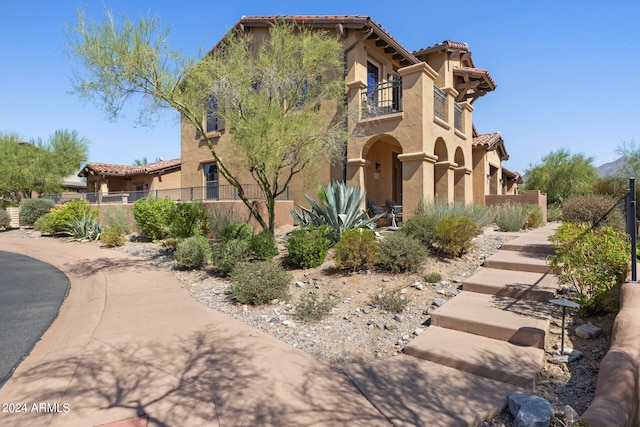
(278,96)
(562,174)
(39,166)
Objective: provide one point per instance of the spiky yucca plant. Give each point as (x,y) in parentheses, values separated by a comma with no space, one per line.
(340,208)
(83,229)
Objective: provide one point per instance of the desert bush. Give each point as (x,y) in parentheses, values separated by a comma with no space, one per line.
(151,215)
(263,246)
(32,209)
(554,212)
(482,216)
(534,219)
(593,260)
(63,216)
(221,218)
(112,237)
(226,255)
(82,229)
(5,220)
(421,227)
(237,231)
(312,308)
(357,249)
(44,224)
(170,243)
(433,277)
(454,235)
(511,216)
(193,252)
(188,219)
(308,246)
(399,253)
(391,300)
(259,282)
(340,208)
(591,209)
(116,217)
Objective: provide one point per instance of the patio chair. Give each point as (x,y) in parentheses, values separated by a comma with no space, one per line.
(377,210)
(396,212)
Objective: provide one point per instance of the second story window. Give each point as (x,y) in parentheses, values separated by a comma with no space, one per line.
(373,79)
(214,121)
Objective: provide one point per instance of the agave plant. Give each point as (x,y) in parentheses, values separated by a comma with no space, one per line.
(341,209)
(83,229)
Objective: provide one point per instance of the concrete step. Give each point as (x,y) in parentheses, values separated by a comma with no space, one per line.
(507,319)
(518,261)
(478,355)
(415,392)
(536,241)
(514,284)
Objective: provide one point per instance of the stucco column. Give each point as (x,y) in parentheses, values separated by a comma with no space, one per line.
(463,185)
(417,180)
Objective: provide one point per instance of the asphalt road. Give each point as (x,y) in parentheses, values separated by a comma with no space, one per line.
(31,293)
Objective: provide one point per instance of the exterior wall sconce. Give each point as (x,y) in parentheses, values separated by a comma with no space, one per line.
(378,167)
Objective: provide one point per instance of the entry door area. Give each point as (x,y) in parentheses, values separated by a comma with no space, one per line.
(396,178)
(211,180)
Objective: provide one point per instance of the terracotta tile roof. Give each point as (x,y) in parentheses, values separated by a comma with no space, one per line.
(338,22)
(490,142)
(108,169)
(445,45)
(515,176)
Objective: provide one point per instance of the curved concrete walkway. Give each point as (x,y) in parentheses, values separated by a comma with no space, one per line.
(131,344)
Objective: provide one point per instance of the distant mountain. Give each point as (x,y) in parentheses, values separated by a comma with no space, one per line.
(611,168)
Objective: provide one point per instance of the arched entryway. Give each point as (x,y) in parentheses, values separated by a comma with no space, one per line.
(383,170)
(459,175)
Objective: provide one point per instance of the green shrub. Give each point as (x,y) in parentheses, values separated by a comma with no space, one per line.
(193,252)
(259,282)
(226,255)
(356,250)
(534,220)
(5,220)
(116,217)
(392,301)
(399,252)
(439,209)
(308,246)
(554,213)
(511,216)
(221,218)
(83,229)
(421,227)
(32,209)
(112,237)
(312,308)
(592,208)
(63,216)
(433,277)
(454,235)
(170,243)
(188,219)
(151,217)
(594,261)
(44,224)
(263,246)
(237,231)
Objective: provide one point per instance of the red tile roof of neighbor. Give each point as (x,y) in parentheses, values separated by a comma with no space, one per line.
(489,142)
(127,170)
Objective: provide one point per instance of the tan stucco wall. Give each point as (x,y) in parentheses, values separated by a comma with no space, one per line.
(617,401)
(165,181)
(531,197)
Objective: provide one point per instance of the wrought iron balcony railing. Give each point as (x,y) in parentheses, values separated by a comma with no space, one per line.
(439,103)
(382,99)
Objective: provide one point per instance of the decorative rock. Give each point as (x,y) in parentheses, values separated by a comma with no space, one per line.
(390,326)
(529,411)
(300,284)
(588,331)
(451,293)
(403,291)
(569,415)
(555,331)
(418,331)
(399,318)
(406,337)
(558,360)
(444,283)
(439,301)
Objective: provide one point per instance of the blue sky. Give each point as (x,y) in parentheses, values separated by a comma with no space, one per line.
(567,70)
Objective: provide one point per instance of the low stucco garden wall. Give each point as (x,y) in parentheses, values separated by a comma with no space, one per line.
(616,401)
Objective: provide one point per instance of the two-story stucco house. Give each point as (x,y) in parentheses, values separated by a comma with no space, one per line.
(410,117)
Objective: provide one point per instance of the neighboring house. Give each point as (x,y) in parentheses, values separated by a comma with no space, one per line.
(136,180)
(415,136)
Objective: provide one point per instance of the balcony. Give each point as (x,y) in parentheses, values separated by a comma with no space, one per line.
(381,99)
(457,118)
(439,103)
